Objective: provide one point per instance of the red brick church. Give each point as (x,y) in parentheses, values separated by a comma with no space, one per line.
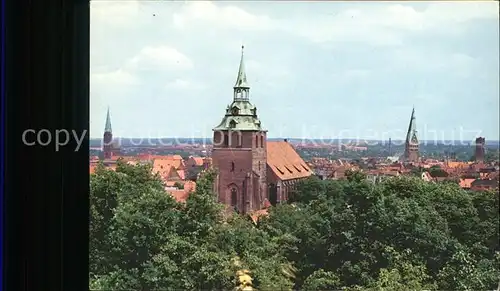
(251,170)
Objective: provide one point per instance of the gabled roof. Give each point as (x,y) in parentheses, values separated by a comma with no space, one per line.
(164,162)
(285,162)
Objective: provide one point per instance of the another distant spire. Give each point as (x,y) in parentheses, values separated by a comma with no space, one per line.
(411,136)
(107,128)
(241,81)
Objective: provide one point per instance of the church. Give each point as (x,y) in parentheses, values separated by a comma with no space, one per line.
(411,154)
(252,172)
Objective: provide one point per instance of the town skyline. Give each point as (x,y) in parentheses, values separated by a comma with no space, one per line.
(166,87)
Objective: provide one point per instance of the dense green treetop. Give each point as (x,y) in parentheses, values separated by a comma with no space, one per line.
(400,234)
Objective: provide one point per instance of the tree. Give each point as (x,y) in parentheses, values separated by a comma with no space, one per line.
(321,280)
(348,235)
(464,272)
(145,240)
(436,171)
(402,274)
(492,155)
(356,176)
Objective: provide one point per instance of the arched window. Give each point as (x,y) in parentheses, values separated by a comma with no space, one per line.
(234,197)
(232,166)
(232,124)
(273,194)
(226,139)
(259,166)
(261,141)
(256,141)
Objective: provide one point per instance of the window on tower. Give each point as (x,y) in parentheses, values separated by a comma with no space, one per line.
(256,141)
(232,166)
(261,141)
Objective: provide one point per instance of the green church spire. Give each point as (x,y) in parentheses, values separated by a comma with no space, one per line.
(107,128)
(411,136)
(241,87)
(241,81)
(241,114)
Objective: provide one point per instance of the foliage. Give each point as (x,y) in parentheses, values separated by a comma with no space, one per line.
(142,239)
(178,185)
(436,171)
(321,280)
(492,155)
(400,234)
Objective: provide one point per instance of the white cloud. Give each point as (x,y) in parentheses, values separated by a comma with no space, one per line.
(228,17)
(458,64)
(115,78)
(388,25)
(183,84)
(160,57)
(115,13)
(440,13)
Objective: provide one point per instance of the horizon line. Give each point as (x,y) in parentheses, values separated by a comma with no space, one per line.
(289,138)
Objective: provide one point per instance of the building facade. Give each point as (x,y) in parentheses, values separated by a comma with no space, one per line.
(239,151)
(253,173)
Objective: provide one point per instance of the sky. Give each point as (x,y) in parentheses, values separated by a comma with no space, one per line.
(316,69)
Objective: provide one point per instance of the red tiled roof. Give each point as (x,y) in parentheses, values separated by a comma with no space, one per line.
(285,162)
(466,183)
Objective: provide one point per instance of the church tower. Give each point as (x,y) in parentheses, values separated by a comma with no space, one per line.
(239,151)
(411,145)
(107,146)
(479,152)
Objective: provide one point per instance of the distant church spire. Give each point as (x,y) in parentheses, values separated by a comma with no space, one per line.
(412,144)
(411,135)
(107,146)
(107,127)
(241,87)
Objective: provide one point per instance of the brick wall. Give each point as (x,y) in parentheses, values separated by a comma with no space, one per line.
(236,155)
